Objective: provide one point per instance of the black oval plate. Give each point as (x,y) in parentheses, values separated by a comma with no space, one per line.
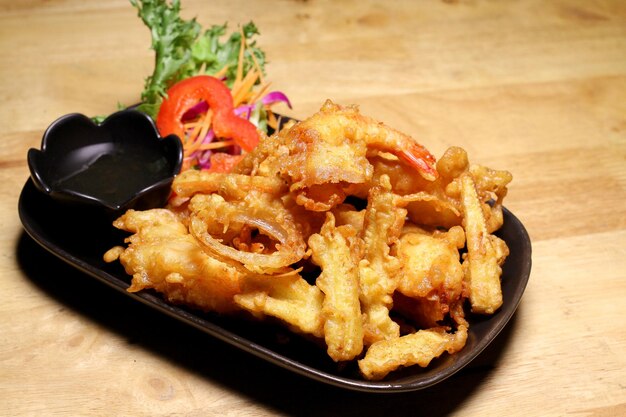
(81,237)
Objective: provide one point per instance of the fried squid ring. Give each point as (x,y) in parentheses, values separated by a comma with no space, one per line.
(272,222)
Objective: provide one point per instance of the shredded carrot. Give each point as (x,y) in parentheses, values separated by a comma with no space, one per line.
(221,73)
(191,124)
(216,145)
(243,92)
(240,62)
(206,124)
(258,68)
(192,134)
(259,93)
(195,142)
(271,120)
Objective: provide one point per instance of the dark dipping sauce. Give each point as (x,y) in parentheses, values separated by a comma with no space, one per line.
(114,174)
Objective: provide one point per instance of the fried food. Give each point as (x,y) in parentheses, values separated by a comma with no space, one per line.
(232,186)
(286,297)
(163,256)
(377,269)
(325,155)
(485,253)
(340,227)
(432,277)
(213,220)
(337,250)
(418,348)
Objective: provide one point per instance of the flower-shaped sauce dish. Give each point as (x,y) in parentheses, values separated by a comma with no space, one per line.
(119,164)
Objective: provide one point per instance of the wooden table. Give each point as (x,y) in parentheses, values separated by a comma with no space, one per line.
(535,87)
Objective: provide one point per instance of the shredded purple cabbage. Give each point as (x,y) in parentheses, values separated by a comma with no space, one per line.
(275,97)
(195,111)
(245,110)
(204,162)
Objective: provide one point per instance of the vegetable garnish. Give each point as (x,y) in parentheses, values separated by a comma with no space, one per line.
(182,50)
(199,133)
(194,111)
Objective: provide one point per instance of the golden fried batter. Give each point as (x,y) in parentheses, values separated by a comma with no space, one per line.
(431,274)
(340,227)
(485,253)
(377,270)
(326,154)
(418,348)
(336,251)
(287,297)
(162,255)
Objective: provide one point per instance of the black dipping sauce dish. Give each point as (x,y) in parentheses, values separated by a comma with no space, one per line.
(107,168)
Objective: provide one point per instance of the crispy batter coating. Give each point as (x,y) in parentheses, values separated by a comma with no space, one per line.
(213,220)
(162,255)
(432,278)
(323,156)
(485,253)
(231,186)
(377,270)
(287,297)
(337,250)
(340,227)
(418,348)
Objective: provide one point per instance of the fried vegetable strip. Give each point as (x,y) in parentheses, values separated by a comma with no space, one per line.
(491,185)
(482,262)
(287,297)
(335,250)
(418,348)
(382,226)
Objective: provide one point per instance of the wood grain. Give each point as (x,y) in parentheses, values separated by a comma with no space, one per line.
(535,87)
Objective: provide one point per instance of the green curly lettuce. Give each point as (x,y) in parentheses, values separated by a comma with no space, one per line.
(182,50)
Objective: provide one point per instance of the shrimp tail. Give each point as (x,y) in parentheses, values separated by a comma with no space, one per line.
(421,159)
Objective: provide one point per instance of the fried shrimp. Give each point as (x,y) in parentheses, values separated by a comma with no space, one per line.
(325,155)
(341,229)
(335,129)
